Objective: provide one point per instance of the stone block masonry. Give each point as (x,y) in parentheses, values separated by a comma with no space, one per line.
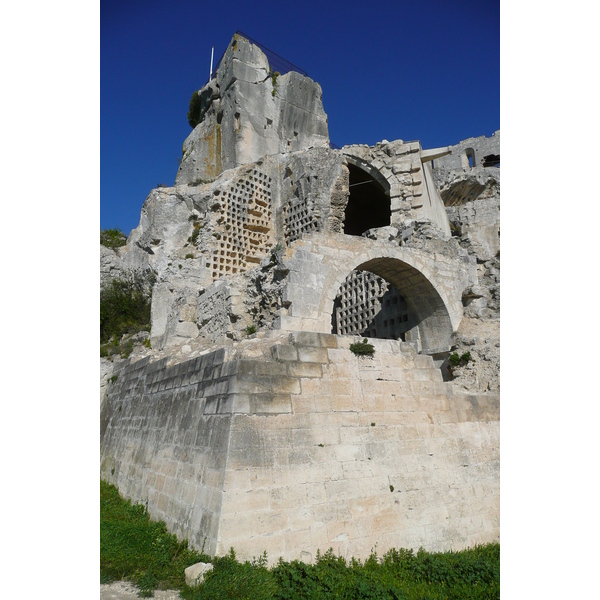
(299,445)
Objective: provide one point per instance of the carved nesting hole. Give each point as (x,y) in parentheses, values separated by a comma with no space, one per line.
(246,221)
(299,217)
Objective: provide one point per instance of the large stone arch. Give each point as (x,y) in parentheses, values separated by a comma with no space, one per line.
(319,265)
(408,181)
(373,171)
(368,204)
(383,174)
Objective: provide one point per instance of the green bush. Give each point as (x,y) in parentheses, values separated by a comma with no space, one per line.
(125,306)
(193,115)
(195,233)
(459,361)
(199,103)
(112,238)
(274,76)
(232,579)
(362,348)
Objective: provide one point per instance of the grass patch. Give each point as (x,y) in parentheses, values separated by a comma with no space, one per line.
(134,548)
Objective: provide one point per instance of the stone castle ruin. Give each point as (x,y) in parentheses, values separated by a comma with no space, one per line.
(250,422)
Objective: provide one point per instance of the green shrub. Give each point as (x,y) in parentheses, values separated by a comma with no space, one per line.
(125,306)
(250,330)
(199,103)
(459,361)
(126,348)
(193,115)
(274,76)
(362,348)
(112,238)
(232,579)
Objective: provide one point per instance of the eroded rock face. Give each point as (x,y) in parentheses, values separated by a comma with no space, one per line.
(248,112)
(480,338)
(457,187)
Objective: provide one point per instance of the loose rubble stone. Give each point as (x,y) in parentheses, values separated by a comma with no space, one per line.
(194,574)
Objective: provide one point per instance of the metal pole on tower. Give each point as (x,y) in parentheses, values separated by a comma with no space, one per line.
(211,62)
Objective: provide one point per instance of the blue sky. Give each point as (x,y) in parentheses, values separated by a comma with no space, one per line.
(427,70)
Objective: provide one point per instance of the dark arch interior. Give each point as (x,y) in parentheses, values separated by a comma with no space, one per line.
(368,306)
(368,205)
(415,312)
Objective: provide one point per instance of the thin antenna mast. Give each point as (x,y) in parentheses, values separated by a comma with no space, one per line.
(211,62)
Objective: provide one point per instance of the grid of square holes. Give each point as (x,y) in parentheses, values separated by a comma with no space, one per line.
(246,230)
(299,218)
(368,305)
(358,302)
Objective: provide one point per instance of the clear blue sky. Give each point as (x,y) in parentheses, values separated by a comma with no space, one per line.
(426,70)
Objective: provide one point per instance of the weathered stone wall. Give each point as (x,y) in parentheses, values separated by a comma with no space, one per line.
(288,442)
(431,282)
(405,176)
(472,198)
(473,152)
(163,443)
(305,446)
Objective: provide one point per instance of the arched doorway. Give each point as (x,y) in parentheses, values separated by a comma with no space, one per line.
(368,204)
(320,264)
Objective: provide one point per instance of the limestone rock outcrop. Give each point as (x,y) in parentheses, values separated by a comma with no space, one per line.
(248,111)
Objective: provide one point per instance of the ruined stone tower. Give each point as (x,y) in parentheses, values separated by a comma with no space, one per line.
(251,423)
